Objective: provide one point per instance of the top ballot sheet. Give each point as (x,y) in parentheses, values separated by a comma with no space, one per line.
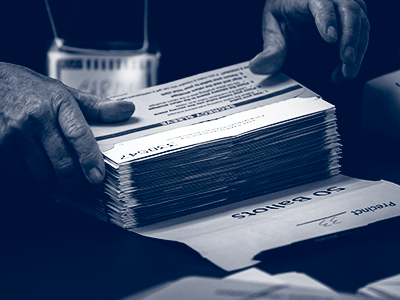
(195,99)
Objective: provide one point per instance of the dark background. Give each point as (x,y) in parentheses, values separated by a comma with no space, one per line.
(48,251)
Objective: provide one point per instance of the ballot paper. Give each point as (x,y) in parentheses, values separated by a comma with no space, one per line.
(197,99)
(210,140)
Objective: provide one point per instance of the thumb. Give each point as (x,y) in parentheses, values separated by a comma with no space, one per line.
(271,59)
(102,109)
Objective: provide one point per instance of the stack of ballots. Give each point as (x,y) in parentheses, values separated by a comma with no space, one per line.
(209,140)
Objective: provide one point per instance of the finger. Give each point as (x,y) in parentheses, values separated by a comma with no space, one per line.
(79,136)
(350,15)
(62,157)
(324,14)
(362,5)
(351,70)
(102,109)
(271,59)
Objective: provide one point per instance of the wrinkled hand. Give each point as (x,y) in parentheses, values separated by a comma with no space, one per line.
(42,125)
(342,20)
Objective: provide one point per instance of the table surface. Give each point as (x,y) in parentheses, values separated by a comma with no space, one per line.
(49,251)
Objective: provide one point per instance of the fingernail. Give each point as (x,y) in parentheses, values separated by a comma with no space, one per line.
(131,107)
(95,176)
(126,106)
(350,54)
(332,32)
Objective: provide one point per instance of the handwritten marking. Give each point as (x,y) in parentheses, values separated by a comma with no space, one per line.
(321,219)
(329,222)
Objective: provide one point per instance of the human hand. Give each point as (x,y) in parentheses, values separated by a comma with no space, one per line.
(343,20)
(43,127)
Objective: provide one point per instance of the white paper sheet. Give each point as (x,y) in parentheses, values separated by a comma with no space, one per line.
(233,125)
(195,99)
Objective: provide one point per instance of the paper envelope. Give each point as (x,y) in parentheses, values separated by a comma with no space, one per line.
(232,235)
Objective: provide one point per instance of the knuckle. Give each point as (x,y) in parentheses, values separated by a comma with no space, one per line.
(65,166)
(28,115)
(60,97)
(352,38)
(77,94)
(88,159)
(93,108)
(91,105)
(37,110)
(325,15)
(352,7)
(82,140)
(330,15)
(74,130)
